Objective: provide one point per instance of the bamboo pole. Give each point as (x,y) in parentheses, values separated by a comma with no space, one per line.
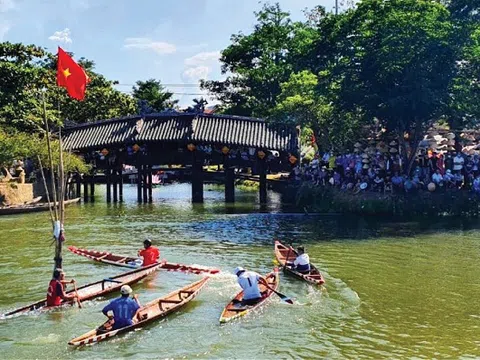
(49,147)
(46,191)
(61,180)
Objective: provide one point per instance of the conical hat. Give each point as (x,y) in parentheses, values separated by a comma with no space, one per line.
(450,136)
(393,150)
(365,161)
(365,156)
(393,143)
(366,166)
(358,145)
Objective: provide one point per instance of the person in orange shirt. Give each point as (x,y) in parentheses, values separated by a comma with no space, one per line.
(150,254)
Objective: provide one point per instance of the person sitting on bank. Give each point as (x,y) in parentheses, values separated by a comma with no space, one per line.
(302,262)
(249,281)
(124,308)
(56,292)
(150,254)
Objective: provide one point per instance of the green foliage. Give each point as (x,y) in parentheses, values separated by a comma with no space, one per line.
(260,62)
(18,145)
(27,69)
(151,96)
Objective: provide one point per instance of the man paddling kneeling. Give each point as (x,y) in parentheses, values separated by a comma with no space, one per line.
(150,254)
(124,308)
(249,280)
(56,292)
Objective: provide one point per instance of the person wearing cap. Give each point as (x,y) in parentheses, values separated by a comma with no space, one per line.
(124,308)
(150,254)
(56,292)
(302,262)
(249,281)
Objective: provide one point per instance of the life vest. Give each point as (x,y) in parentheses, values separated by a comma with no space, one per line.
(53,299)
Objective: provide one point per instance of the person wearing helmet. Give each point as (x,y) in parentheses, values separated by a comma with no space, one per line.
(249,281)
(56,292)
(150,254)
(124,308)
(302,262)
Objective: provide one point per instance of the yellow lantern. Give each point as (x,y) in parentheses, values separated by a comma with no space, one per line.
(191,147)
(292,159)
(225,150)
(104,152)
(261,154)
(135,148)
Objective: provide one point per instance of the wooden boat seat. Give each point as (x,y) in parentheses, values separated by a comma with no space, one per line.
(101,257)
(121,260)
(238,309)
(188,292)
(170,301)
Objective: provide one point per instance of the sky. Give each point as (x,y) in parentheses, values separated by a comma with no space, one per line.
(175,41)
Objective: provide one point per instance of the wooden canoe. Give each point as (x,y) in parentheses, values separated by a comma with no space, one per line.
(150,312)
(235,309)
(93,290)
(281,253)
(34,207)
(135,262)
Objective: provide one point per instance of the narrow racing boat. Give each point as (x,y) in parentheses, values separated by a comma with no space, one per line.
(284,254)
(235,309)
(148,313)
(93,290)
(135,262)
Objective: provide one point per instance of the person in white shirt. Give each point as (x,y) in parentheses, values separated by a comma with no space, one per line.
(302,262)
(249,281)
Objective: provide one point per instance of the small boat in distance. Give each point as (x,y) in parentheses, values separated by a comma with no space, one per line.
(32,207)
(235,309)
(148,313)
(135,262)
(93,290)
(282,252)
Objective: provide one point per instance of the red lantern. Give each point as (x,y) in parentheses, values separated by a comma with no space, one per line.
(261,154)
(292,159)
(191,147)
(225,150)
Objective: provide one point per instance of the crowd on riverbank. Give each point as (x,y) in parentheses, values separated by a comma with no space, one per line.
(354,172)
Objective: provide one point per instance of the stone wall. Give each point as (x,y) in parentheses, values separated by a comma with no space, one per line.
(14,193)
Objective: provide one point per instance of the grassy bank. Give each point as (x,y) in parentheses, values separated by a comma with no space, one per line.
(327,200)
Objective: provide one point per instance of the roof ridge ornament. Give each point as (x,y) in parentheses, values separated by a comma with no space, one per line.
(139,125)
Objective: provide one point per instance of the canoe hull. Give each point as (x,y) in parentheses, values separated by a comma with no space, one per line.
(282,252)
(34,207)
(235,310)
(149,313)
(93,290)
(135,262)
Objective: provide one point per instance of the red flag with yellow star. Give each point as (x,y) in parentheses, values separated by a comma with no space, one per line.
(71,76)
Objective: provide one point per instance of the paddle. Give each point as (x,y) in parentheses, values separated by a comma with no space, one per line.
(77,297)
(280,295)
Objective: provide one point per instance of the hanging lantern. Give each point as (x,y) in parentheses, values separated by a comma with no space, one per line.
(292,159)
(191,147)
(261,154)
(104,152)
(135,148)
(225,150)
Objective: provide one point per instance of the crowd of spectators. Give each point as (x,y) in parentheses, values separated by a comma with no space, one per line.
(385,172)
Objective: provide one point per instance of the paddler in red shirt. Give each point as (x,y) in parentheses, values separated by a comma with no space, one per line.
(150,255)
(56,292)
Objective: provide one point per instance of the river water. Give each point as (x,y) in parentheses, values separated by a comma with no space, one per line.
(393,290)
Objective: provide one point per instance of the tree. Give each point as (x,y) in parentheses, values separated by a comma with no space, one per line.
(151,97)
(397,64)
(26,69)
(198,106)
(260,62)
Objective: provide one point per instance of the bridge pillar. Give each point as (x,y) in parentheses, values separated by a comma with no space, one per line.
(120,185)
(229,184)
(262,170)
(85,187)
(78,183)
(115,185)
(150,184)
(108,183)
(139,182)
(197,178)
(92,186)
(145,183)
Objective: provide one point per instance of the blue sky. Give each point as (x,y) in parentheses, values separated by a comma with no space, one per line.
(176,41)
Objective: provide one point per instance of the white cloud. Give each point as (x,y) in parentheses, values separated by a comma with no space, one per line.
(202,58)
(6,5)
(196,73)
(4,28)
(149,44)
(61,36)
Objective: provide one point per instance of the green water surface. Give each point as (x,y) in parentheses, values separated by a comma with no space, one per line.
(393,291)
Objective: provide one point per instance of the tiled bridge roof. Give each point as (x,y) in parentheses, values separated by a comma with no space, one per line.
(201,128)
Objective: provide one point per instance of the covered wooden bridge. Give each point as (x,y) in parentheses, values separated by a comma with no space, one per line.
(189,140)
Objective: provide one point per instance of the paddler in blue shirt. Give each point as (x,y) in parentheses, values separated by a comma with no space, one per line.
(124,308)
